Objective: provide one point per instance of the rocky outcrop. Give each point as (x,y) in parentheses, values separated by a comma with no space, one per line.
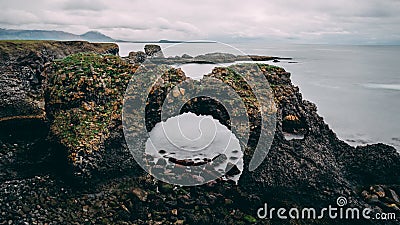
(25,148)
(84,104)
(21,65)
(319,166)
(153,51)
(83,96)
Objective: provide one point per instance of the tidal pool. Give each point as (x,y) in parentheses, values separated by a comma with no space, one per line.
(189,149)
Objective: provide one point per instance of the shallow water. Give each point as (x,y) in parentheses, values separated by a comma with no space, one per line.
(195,138)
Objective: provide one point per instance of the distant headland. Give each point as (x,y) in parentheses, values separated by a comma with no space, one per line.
(92,36)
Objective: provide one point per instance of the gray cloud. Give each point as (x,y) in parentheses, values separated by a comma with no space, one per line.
(309,21)
(84,5)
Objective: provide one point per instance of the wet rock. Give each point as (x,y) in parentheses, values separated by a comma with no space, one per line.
(393,195)
(161,162)
(378,190)
(179,169)
(140,194)
(186,56)
(157,169)
(232,170)
(219,159)
(26,209)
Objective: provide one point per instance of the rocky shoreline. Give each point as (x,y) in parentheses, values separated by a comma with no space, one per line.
(64,159)
(154,53)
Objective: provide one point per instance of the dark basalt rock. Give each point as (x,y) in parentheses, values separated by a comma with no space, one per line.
(153,51)
(25,148)
(137,57)
(315,167)
(83,104)
(21,91)
(155,54)
(186,56)
(83,98)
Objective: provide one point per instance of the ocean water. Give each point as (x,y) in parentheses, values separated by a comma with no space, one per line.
(356,88)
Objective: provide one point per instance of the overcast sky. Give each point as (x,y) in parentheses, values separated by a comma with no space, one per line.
(307,21)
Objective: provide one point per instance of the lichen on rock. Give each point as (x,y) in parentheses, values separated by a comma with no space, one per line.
(83,96)
(85,93)
(21,66)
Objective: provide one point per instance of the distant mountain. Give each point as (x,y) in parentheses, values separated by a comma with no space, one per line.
(93,36)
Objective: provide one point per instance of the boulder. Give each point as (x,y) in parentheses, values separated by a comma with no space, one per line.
(137,57)
(186,56)
(153,51)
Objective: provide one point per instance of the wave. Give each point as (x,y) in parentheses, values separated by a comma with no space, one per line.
(383,86)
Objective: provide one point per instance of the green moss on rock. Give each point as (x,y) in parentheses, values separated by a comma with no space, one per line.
(85,94)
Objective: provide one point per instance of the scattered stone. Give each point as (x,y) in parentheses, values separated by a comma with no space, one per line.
(250,219)
(393,195)
(140,194)
(372,198)
(175,92)
(26,209)
(186,56)
(231,170)
(85,208)
(166,188)
(161,162)
(394,207)
(179,222)
(378,190)
(228,201)
(137,57)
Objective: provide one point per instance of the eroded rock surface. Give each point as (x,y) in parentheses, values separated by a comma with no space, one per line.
(83,102)
(21,65)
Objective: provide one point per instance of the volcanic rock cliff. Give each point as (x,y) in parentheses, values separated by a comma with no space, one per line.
(21,65)
(83,171)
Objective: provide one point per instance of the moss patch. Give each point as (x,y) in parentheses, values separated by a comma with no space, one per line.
(12,47)
(85,94)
